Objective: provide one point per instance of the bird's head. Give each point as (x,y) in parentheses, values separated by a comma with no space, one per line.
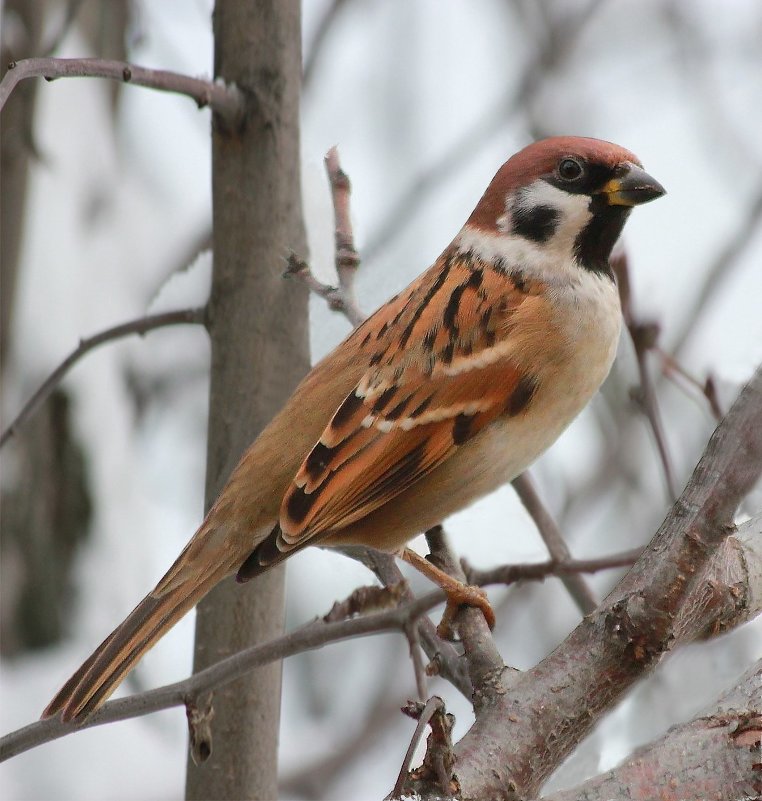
(560,204)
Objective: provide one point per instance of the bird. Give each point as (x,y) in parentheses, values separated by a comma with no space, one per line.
(448,391)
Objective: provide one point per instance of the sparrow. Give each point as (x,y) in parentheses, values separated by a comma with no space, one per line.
(449,390)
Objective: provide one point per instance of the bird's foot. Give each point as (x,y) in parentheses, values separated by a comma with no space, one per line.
(463,595)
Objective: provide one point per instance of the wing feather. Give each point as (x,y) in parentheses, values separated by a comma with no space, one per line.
(442,367)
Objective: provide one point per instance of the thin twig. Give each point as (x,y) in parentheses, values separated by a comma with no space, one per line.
(644,336)
(313,635)
(433,705)
(347,258)
(445,660)
(337,300)
(419,669)
(223,99)
(671,367)
(575,584)
(140,326)
(537,571)
(340,298)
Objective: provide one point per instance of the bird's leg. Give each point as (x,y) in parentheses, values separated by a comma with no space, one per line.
(457,593)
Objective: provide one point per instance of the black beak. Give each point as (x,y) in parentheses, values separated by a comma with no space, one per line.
(632,188)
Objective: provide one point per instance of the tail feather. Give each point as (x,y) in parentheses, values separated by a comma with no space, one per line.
(102,672)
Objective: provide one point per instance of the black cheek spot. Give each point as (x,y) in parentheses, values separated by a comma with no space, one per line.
(536,223)
(521,395)
(461,429)
(346,411)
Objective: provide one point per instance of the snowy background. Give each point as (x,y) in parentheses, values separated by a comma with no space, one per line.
(117,199)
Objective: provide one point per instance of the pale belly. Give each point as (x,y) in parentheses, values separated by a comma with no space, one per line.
(587,332)
(493,458)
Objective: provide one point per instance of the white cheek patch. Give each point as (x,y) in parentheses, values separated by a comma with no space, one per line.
(572,213)
(551,259)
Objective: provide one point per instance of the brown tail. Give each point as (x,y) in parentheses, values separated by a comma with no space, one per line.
(183,586)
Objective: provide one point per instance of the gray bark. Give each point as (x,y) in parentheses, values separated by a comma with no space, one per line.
(259,338)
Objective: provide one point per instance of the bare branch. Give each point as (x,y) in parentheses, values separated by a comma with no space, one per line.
(576,585)
(223,100)
(644,336)
(672,368)
(715,755)
(341,298)
(334,296)
(658,604)
(480,652)
(445,660)
(347,259)
(141,326)
(537,571)
(424,713)
(732,595)
(313,635)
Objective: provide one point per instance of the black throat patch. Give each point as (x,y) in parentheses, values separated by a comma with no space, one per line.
(594,243)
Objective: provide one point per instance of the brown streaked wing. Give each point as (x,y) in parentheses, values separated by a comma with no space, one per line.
(436,378)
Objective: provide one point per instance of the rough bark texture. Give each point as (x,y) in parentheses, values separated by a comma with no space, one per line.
(258,328)
(526,725)
(715,756)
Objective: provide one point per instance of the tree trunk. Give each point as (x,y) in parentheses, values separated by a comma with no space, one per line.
(259,340)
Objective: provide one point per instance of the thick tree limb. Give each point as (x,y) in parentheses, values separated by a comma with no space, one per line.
(519,737)
(731,595)
(140,326)
(716,755)
(222,99)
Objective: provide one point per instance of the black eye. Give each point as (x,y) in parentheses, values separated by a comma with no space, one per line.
(569,169)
